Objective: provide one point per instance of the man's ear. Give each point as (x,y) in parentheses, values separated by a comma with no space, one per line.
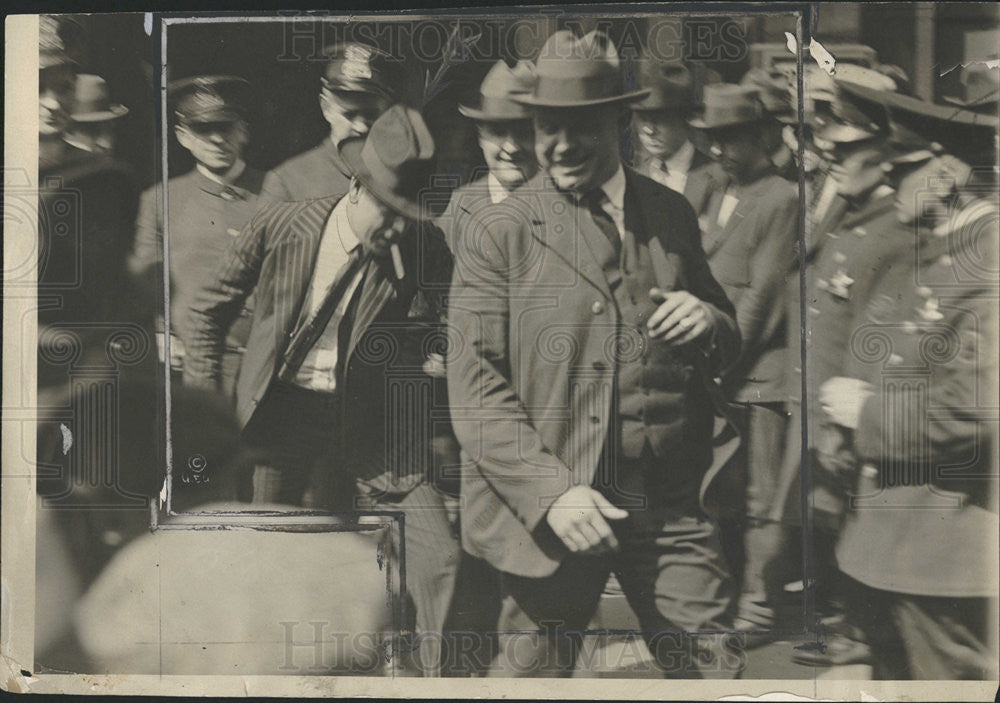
(354,190)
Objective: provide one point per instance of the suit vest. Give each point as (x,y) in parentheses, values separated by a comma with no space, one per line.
(659,396)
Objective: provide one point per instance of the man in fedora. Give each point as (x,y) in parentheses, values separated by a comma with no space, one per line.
(332,389)
(750,225)
(668,154)
(506,138)
(207,207)
(917,402)
(588,330)
(773,90)
(358,84)
(94,116)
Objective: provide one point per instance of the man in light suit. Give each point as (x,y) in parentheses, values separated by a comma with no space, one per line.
(359,83)
(332,388)
(668,154)
(588,327)
(750,230)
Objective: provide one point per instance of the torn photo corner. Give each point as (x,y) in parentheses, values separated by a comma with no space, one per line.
(611,352)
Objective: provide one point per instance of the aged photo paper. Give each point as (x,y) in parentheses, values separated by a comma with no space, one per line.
(626,352)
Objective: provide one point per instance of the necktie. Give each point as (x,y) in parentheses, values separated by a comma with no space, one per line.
(305,337)
(595,203)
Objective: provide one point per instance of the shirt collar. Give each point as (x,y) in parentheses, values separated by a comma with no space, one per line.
(234,172)
(338,219)
(496,190)
(614,189)
(680,160)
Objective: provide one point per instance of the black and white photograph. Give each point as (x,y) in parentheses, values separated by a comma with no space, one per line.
(374,354)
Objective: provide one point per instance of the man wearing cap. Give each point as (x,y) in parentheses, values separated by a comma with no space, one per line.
(332,389)
(207,206)
(506,138)
(669,156)
(358,84)
(917,403)
(94,117)
(750,225)
(590,328)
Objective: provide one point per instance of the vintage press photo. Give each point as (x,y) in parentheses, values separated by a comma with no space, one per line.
(363,354)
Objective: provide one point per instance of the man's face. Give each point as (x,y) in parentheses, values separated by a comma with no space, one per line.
(857,168)
(508,147)
(350,114)
(661,133)
(214,145)
(738,149)
(578,147)
(918,196)
(55,100)
(98,137)
(376,225)
(811,158)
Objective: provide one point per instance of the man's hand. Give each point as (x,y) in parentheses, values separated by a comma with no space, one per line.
(681,317)
(578,519)
(842,399)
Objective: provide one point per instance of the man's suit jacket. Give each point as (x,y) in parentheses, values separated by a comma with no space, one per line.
(317,173)
(274,258)
(465,202)
(701,176)
(751,256)
(531,375)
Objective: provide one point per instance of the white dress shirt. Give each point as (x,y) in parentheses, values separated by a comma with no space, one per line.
(497,192)
(673,172)
(614,203)
(318,370)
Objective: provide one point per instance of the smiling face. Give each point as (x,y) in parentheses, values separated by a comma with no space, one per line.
(214,145)
(661,133)
(578,147)
(350,114)
(508,148)
(375,224)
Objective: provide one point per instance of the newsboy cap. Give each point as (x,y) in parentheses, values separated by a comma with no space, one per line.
(203,99)
(395,161)
(353,67)
(576,71)
(496,93)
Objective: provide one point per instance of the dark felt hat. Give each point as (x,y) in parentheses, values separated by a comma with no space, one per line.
(203,99)
(496,93)
(353,67)
(670,85)
(395,161)
(93,102)
(576,71)
(729,105)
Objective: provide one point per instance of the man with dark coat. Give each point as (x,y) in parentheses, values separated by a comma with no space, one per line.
(749,234)
(668,153)
(590,328)
(917,403)
(359,83)
(206,208)
(332,388)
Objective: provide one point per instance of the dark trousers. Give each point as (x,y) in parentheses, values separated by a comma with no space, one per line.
(670,568)
(291,430)
(926,637)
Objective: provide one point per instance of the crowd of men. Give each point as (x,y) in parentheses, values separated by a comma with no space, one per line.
(585,366)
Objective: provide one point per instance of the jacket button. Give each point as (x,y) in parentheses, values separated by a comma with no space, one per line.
(597,308)
(594,420)
(600,365)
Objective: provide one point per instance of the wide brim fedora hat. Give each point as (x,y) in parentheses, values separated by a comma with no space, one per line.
(496,94)
(728,105)
(573,71)
(670,84)
(395,161)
